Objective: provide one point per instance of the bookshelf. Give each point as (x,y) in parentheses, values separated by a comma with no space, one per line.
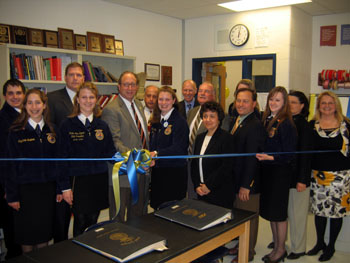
(113,63)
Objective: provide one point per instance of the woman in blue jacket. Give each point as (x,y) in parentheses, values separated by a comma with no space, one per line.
(31,187)
(169,136)
(85,135)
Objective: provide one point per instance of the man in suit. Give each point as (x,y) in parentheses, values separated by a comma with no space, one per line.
(13,91)
(189,90)
(206,92)
(248,137)
(61,105)
(150,98)
(122,116)
(61,101)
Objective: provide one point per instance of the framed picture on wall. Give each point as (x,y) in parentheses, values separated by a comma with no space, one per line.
(167,75)
(152,71)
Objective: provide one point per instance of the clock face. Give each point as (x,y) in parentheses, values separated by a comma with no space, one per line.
(239,35)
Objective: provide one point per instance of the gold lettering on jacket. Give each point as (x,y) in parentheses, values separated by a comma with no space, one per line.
(26,140)
(77,136)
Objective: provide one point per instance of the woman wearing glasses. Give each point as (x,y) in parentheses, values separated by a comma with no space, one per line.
(330,181)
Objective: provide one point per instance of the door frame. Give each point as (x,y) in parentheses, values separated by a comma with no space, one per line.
(246,74)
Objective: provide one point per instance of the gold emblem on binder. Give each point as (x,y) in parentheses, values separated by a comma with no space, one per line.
(124,238)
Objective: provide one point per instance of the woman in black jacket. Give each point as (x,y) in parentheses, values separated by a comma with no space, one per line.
(212,177)
(277,169)
(299,193)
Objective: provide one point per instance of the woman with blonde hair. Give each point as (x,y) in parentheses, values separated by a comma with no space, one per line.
(277,169)
(330,182)
(85,135)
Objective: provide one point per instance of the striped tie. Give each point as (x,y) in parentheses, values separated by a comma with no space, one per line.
(236,125)
(139,127)
(194,133)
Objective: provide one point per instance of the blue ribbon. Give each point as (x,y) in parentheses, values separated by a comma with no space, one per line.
(117,157)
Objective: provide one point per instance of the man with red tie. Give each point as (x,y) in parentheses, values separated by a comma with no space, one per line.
(127,122)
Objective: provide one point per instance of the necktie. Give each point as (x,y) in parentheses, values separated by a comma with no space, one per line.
(87,124)
(139,127)
(189,106)
(236,125)
(38,130)
(194,133)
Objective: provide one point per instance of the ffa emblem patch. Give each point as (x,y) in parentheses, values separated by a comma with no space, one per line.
(99,135)
(168,130)
(51,138)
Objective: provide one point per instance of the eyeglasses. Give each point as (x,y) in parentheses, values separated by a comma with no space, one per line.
(126,85)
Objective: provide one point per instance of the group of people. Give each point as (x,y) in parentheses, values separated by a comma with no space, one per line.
(39,197)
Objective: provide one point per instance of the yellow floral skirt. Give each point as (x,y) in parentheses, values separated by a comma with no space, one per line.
(330,193)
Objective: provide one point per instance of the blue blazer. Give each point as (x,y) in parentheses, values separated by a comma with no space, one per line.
(26,144)
(78,142)
(170,140)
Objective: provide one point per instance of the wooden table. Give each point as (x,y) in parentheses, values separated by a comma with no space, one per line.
(185,244)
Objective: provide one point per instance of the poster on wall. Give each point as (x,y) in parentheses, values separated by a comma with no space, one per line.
(328,36)
(345,35)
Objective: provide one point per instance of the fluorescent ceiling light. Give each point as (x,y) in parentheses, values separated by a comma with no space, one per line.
(244,5)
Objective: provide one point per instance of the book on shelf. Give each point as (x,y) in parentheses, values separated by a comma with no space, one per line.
(120,242)
(37,67)
(195,214)
(105,99)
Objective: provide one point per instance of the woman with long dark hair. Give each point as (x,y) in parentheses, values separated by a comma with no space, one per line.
(31,187)
(299,193)
(276,169)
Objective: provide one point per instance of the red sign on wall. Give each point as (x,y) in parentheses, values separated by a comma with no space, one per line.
(328,36)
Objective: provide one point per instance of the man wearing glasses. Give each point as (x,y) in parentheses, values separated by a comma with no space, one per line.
(128,126)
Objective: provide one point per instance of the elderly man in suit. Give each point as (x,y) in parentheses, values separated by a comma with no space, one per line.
(189,90)
(128,126)
(206,92)
(61,105)
(248,137)
(13,91)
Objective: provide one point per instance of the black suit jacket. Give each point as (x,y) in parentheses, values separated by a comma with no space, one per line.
(182,107)
(217,172)
(7,116)
(303,161)
(60,106)
(249,137)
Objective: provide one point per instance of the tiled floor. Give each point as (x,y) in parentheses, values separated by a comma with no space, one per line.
(265,237)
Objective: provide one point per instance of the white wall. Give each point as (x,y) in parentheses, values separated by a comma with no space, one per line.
(300,51)
(151,38)
(325,57)
(200,38)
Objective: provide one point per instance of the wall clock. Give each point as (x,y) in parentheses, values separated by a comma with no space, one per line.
(239,35)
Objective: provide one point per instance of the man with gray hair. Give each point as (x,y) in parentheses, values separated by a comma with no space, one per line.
(189,90)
